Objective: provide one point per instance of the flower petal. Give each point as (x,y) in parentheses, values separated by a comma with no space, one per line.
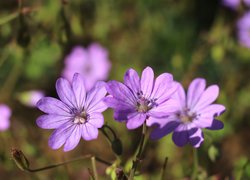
(75,62)
(5,112)
(96,119)
(121,92)
(98,108)
(216,125)
(73,140)
(4,124)
(89,132)
(65,93)
(132,80)
(122,115)
(165,109)
(161,122)
(180,96)
(197,138)
(52,121)
(208,97)
(212,110)
(53,106)
(100,63)
(203,122)
(147,81)
(60,135)
(207,114)
(117,104)
(95,97)
(195,90)
(135,120)
(158,133)
(79,90)
(164,87)
(180,135)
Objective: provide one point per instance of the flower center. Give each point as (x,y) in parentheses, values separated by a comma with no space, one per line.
(143,104)
(186,116)
(81,118)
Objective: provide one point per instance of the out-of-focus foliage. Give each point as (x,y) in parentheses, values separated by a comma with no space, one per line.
(188,38)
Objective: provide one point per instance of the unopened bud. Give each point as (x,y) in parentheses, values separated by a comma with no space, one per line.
(20,159)
(117,146)
(120,174)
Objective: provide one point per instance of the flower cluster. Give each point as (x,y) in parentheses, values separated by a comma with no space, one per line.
(158,102)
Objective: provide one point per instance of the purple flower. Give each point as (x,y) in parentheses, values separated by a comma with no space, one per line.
(139,100)
(195,112)
(5,112)
(92,63)
(77,114)
(233,4)
(247,2)
(243,26)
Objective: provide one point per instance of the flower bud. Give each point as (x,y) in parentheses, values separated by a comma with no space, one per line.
(120,175)
(20,159)
(117,146)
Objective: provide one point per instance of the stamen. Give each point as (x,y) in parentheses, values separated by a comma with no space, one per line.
(144,105)
(81,118)
(186,116)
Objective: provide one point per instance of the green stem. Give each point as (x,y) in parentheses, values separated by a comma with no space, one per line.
(94,168)
(195,164)
(67,162)
(139,154)
(163,173)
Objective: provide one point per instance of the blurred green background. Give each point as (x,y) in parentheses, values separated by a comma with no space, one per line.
(188,38)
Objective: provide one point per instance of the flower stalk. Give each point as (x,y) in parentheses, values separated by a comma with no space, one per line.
(23,163)
(93,163)
(139,154)
(195,164)
(163,170)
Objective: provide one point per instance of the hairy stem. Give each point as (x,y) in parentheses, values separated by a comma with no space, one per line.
(195,164)
(67,162)
(93,163)
(139,154)
(163,172)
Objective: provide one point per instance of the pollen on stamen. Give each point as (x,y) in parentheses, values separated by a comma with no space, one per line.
(81,118)
(144,105)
